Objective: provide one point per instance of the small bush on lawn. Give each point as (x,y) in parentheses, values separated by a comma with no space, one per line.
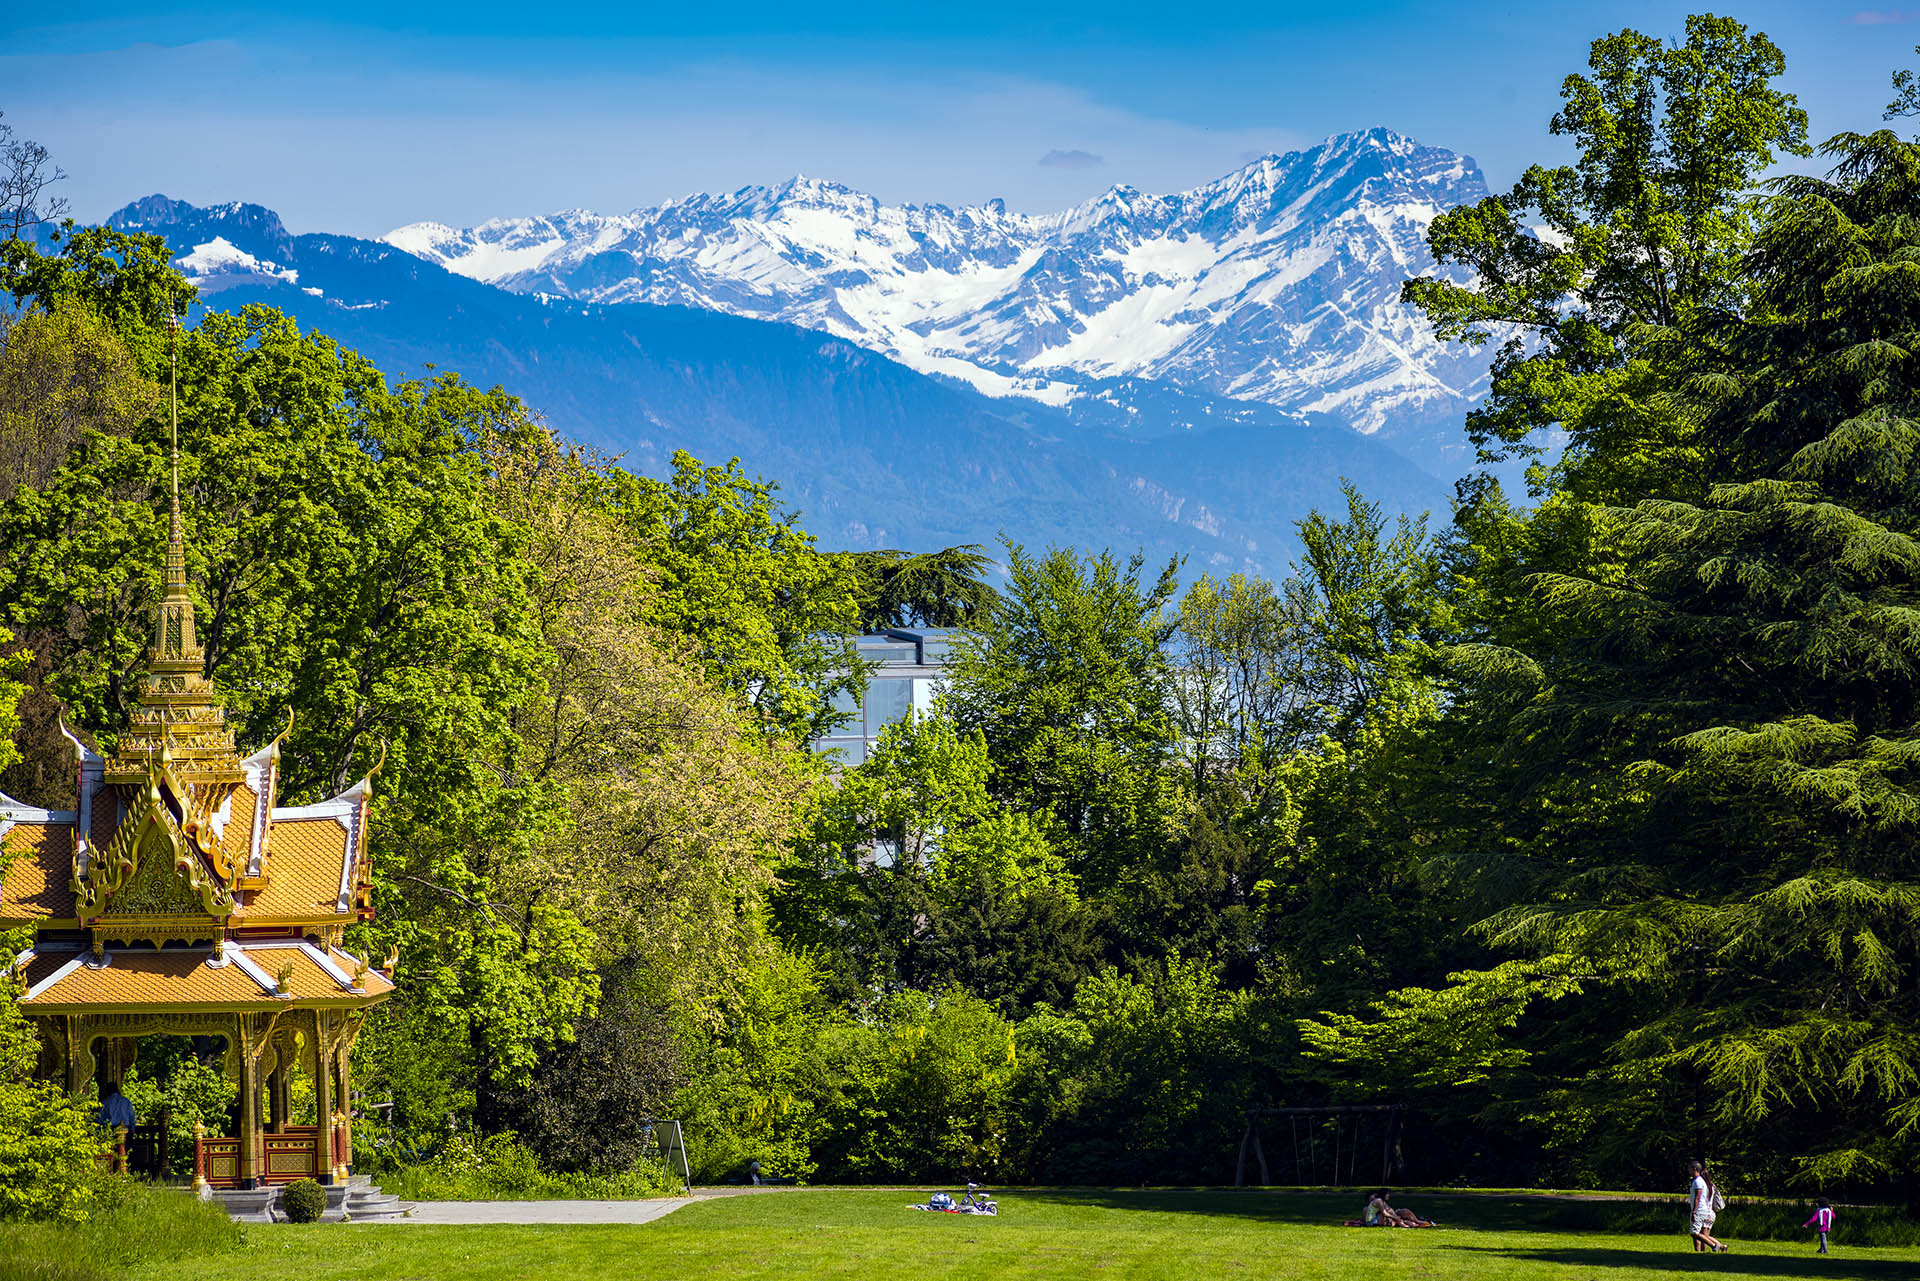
(131,1223)
(304,1201)
(500,1168)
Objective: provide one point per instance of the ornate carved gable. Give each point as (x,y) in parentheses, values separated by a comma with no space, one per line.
(151,867)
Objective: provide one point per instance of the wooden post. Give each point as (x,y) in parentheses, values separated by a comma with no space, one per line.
(165,1140)
(200,1187)
(1240,1166)
(119,1149)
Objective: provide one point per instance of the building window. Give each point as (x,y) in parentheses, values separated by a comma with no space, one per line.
(888,701)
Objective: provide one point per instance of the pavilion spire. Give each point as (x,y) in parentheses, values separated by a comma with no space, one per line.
(175,710)
(176,534)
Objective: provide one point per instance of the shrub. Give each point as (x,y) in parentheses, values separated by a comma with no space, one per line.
(580,1110)
(925,1093)
(49,1145)
(304,1201)
(499,1168)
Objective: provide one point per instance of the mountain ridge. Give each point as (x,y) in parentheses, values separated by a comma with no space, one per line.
(874,452)
(1276,283)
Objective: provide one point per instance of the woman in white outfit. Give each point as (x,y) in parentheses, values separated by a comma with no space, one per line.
(1701,1195)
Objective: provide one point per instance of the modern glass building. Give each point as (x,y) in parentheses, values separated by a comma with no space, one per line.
(912,666)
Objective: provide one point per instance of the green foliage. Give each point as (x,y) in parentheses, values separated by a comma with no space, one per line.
(1069,682)
(934,589)
(756,1079)
(924,1088)
(168,1076)
(303,1201)
(908,874)
(50,1148)
(765,614)
(1585,272)
(63,373)
(583,1107)
(1143,1081)
(501,1168)
(130,1225)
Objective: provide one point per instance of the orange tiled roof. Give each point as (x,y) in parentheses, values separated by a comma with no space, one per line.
(175,977)
(41,965)
(305,860)
(39,879)
(236,841)
(106,818)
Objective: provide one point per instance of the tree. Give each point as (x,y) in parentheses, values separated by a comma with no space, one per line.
(767,616)
(1241,692)
(1588,272)
(933,589)
(676,808)
(26,171)
(1711,748)
(908,875)
(582,1107)
(63,373)
(1069,683)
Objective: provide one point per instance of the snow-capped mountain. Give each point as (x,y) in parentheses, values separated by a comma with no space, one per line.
(875,454)
(1277,284)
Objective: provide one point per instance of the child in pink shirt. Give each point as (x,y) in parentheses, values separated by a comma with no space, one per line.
(1821,1222)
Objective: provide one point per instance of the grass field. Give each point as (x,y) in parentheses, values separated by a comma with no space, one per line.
(871,1236)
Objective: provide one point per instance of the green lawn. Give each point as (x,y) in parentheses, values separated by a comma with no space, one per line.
(1071,1234)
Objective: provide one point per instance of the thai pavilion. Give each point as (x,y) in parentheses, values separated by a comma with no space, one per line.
(177,897)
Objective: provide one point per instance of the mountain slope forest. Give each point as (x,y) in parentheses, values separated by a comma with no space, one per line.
(1581,822)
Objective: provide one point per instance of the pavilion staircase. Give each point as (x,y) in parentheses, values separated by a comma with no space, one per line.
(358,1200)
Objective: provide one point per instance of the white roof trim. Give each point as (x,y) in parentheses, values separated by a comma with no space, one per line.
(325,962)
(238,955)
(55,977)
(19,812)
(339,812)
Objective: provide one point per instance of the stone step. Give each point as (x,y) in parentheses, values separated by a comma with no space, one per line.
(359,1199)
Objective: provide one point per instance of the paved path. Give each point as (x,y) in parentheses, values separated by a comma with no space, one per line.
(543,1211)
(564,1211)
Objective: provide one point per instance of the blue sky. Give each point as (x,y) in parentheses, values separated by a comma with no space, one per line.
(379,115)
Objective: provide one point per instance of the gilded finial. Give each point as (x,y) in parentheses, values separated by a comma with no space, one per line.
(283,981)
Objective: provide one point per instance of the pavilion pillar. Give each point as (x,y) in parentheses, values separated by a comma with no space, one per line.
(255,1041)
(279,1089)
(79,1055)
(349,1031)
(322,1046)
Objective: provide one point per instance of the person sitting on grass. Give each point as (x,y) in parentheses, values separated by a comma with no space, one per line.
(1381,1215)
